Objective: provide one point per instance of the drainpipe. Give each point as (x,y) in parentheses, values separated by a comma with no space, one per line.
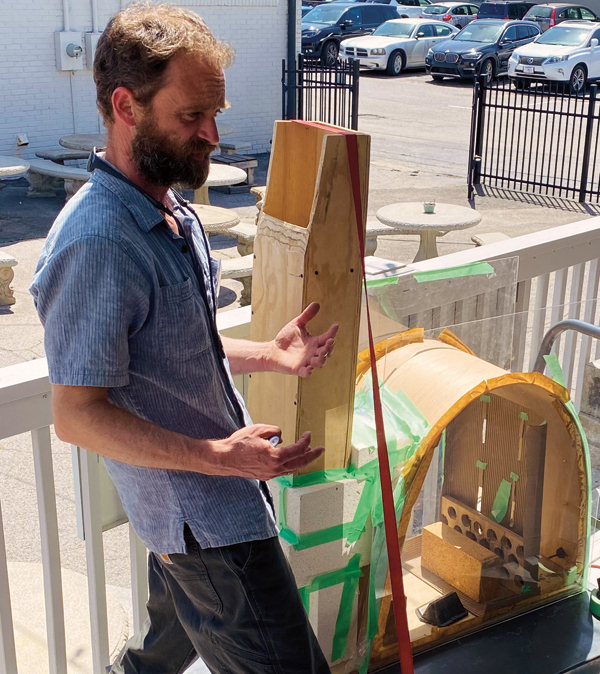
(291,56)
(94,16)
(66,22)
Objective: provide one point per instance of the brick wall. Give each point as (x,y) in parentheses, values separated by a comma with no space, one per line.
(45,104)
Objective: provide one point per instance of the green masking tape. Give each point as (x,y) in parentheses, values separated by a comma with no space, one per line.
(349,576)
(485,398)
(514,477)
(482,465)
(524,416)
(555,369)
(473,269)
(381,282)
(500,506)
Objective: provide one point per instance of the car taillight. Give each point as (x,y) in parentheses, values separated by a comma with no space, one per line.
(474,17)
(447,17)
(553,18)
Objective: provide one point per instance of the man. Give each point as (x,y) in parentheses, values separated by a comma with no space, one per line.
(139,374)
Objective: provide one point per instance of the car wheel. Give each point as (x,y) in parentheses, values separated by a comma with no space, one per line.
(438,78)
(521,84)
(329,54)
(578,79)
(395,64)
(487,70)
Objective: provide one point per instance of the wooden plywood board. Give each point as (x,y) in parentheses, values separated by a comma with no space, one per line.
(306,250)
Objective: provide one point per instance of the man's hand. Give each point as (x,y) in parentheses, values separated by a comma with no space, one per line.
(295,351)
(248,453)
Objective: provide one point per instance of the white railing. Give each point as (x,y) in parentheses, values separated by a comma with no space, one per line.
(553,265)
(25,407)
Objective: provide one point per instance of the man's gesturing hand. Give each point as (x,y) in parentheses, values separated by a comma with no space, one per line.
(295,351)
(248,453)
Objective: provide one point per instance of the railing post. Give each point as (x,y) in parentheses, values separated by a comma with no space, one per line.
(585,164)
(478,145)
(354,93)
(283,90)
(8,654)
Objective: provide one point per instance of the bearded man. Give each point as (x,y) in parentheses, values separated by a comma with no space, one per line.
(139,374)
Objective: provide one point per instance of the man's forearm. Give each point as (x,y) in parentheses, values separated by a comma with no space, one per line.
(117,434)
(245,356)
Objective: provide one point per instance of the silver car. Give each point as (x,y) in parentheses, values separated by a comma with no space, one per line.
(407,9)
(455,13)
(396,44)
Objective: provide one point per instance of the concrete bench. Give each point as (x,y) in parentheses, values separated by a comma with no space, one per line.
(490,237)
(240,268)
(233,148)
(6,276)
(42,173)
(245,233)
(62,155)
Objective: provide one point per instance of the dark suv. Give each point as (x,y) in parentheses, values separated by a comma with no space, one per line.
(482,48)
(503,10)
(324,27)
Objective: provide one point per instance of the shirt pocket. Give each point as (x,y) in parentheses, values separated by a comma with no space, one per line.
(183,330)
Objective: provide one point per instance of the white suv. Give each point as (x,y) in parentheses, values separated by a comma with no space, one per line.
(407,9)
(568,53)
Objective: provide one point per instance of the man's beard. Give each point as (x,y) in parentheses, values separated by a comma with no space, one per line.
(162,161)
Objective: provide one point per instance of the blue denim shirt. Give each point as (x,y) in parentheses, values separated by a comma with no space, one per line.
(119,294)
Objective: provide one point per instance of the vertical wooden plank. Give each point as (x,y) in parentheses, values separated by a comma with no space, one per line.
(94,553)
(138,557)
(53,596)
(574,312)
(539,317)
(558,302)
(589,312)
(431,500)
(8,654)
(521,318)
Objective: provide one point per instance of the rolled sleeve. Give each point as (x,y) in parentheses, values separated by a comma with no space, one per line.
(91,297)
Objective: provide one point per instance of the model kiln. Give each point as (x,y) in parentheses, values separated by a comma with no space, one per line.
(501,455)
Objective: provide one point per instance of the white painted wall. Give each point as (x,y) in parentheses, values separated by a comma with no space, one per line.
(44,103)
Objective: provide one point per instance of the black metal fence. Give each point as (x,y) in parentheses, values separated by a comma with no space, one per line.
(319,93)
(538,138)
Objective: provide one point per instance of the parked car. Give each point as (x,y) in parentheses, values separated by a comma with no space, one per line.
(483,47)
(324,27)
(568,53)
(396,44)
(407,9)
(456,13)
(504,10)
(551,13)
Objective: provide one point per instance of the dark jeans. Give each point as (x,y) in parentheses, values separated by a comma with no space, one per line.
(237,607)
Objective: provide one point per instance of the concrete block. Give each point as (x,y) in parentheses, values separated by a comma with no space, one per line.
(323,613)
(362,455)
(315,508)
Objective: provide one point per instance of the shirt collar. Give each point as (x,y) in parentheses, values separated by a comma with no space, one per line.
(143,211)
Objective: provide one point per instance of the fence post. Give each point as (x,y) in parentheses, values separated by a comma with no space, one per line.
(354,93)
(299,112)
(479,118)
(588,143)
(284,86)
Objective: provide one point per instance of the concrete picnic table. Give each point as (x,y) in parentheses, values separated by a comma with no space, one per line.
(88,141)
(12,166)
(220,174)
(215,219)
(410,217)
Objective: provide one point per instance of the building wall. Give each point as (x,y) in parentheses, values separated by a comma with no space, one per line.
(46,104)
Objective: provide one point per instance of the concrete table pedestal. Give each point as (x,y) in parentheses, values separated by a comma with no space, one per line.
(410,218)
(6,276)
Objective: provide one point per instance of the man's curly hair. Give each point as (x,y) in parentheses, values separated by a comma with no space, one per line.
(138,44)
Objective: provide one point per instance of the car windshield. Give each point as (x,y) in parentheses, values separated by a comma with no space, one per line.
(567,36)
(328,15)
(540,13)
(393,29)
(479,33)
(436,9)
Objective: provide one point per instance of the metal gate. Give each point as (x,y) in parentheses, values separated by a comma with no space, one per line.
(535,138)
(319,93)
